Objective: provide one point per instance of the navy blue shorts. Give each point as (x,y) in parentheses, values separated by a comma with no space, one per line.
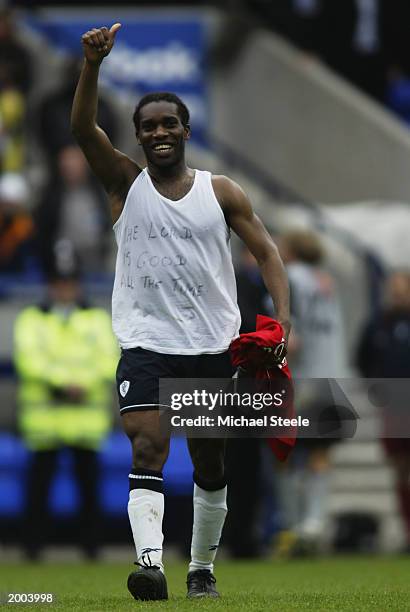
(139,371)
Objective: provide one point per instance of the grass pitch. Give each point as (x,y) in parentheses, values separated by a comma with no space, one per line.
(348,584)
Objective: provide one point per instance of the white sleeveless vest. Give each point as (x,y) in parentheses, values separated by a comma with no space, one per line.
(174,289)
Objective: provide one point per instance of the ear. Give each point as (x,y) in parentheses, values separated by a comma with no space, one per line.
(187,132)
(138,139)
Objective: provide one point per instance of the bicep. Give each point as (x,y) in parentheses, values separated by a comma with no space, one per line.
(247,225)
(242,219)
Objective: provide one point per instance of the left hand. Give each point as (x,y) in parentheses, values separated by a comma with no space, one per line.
(286,325)
(276,355)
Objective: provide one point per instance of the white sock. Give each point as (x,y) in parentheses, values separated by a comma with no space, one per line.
(209,516)
(317,491)
(146,511)
(290,487)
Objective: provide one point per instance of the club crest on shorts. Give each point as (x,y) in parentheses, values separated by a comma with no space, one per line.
(124,386)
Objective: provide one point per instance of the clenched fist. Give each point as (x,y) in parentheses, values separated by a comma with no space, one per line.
(98,42)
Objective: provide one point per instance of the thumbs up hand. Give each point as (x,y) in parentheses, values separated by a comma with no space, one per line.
(98,42)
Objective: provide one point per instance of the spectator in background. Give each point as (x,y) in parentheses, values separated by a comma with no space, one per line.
(16,225)
(384,352)
(73,208)
(316,351)
(65,356)
(54,113)
(14,57)
(253,299)
(244,456)
(12,123)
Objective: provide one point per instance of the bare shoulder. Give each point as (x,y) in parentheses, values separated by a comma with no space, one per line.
(226,189)
(229,194)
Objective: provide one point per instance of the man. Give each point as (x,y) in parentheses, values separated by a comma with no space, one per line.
(316,351)
(16,224)
(65,355)
(244,456)
(174,304)
(384,352)
(73,208)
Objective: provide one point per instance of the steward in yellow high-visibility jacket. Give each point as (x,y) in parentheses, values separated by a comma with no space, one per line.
(66,358)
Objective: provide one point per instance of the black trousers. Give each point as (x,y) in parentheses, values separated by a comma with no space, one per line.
(243,463)
(36,527)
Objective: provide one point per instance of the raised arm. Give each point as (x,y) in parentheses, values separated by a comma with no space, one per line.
(115,170)
(247,225)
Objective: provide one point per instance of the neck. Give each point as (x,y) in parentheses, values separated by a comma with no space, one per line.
(176,171)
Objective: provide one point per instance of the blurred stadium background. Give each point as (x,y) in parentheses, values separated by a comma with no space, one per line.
(307,110)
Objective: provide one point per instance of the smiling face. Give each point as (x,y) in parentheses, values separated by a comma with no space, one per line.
(162,134)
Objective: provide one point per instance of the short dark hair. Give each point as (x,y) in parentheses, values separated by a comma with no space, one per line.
(160,96)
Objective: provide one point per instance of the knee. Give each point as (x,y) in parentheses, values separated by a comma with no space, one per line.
(149,453)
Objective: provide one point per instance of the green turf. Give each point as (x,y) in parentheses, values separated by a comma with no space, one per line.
(345,584)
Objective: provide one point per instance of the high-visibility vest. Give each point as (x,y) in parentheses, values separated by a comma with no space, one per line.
(53,352)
